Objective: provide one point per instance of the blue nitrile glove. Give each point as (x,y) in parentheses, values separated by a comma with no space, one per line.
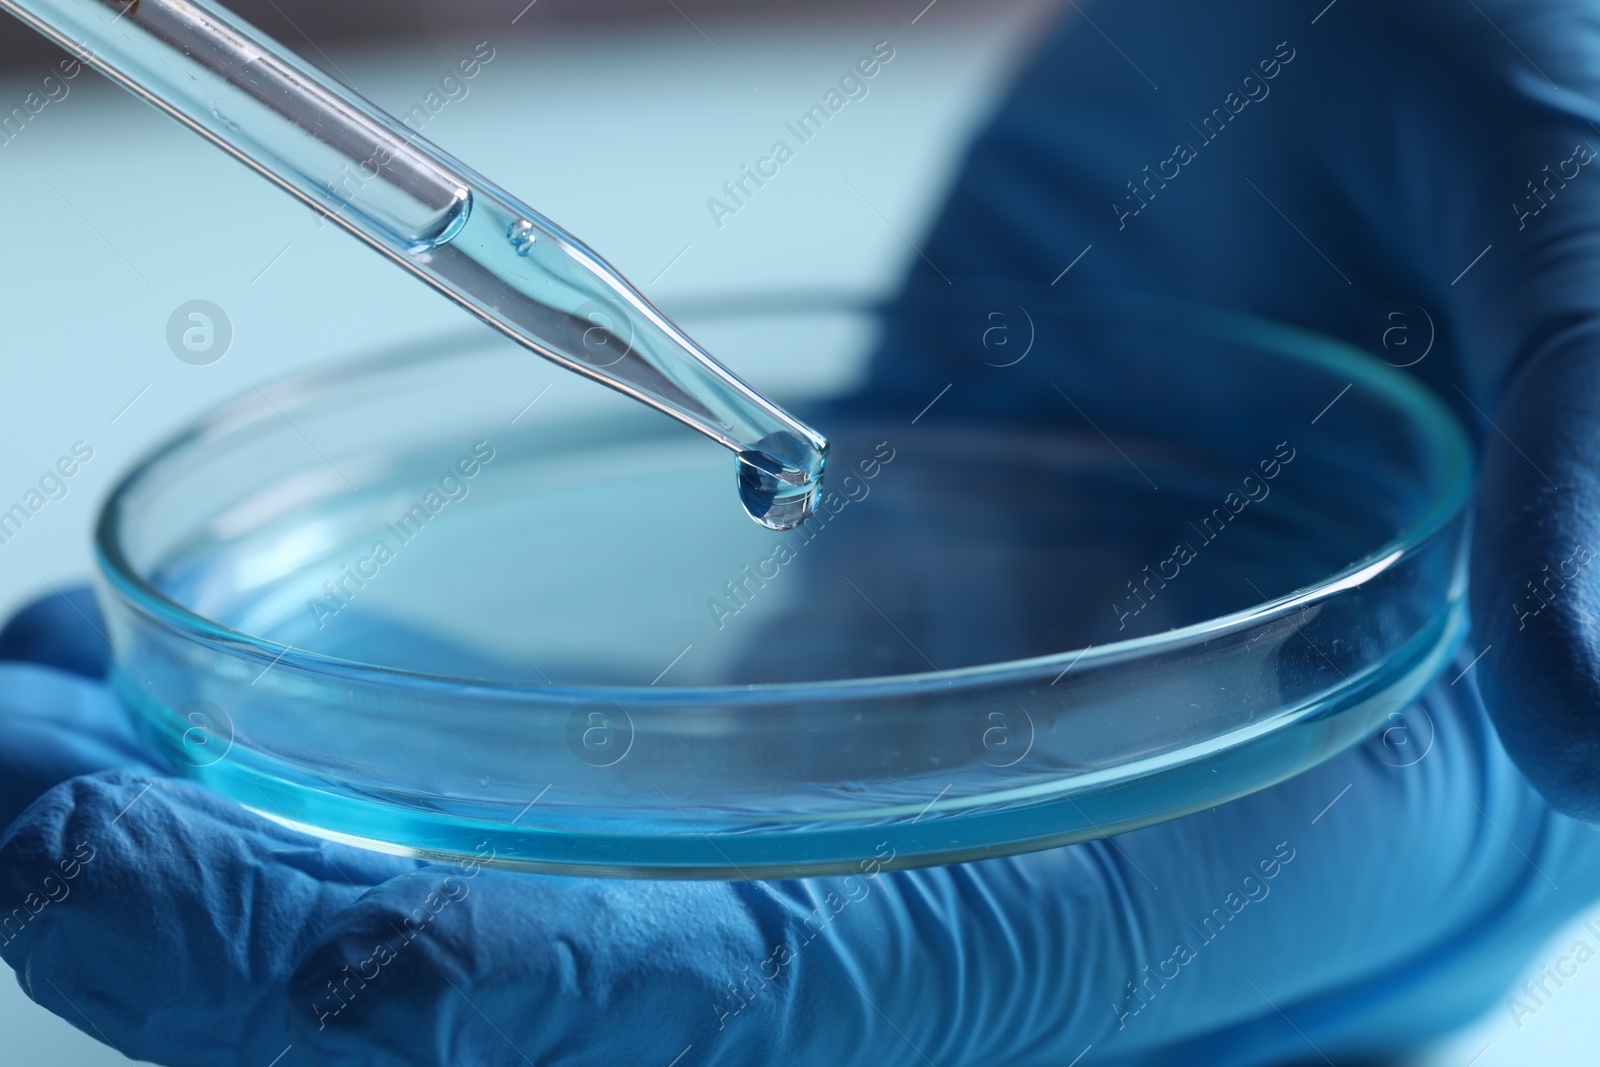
(1374,902)
(1416,177)
(1360,908)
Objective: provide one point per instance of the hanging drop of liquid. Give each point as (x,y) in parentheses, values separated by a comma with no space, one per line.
(778,484)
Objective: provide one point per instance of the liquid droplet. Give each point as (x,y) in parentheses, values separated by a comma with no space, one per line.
(780,493)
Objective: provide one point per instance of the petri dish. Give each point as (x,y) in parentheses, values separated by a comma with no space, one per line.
(1121,562)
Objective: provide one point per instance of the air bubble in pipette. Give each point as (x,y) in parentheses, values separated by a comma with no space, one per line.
(521,235)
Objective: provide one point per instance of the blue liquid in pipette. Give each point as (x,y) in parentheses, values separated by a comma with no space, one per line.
(537,290)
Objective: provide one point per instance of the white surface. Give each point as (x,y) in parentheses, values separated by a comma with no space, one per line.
(115,216)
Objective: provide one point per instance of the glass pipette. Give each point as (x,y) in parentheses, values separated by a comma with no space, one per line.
(460,233)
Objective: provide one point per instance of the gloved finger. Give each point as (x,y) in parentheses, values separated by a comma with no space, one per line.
(63,630)
(55,726)
(1536,575)
(1528,316)
(468,965)
(165,921)
(1328,897)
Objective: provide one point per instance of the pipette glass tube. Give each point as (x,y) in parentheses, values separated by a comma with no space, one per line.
(438,219)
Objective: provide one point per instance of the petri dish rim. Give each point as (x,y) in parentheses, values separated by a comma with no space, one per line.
(1441,432)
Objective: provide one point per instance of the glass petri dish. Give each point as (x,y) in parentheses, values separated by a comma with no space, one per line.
(1119,563)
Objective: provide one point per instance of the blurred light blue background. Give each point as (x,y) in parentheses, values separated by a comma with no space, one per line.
(619,131)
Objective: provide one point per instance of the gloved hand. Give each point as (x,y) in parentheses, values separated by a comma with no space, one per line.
(1367,905)
(1360,908)
(1413,177)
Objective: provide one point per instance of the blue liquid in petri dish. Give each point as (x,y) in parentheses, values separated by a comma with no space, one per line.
(971,546)
(983,640)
